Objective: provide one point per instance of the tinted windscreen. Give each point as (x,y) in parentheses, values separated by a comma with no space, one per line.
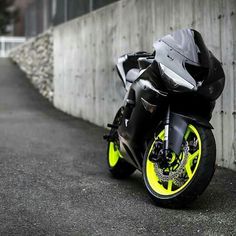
(188,43)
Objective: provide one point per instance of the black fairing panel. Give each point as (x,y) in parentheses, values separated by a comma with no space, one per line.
(178,126)
(213,85)
(141,122)
(177,130)
(130,63)
(192,104)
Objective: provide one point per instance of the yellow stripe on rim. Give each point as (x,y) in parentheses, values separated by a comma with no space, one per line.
(114,155)
(152,177)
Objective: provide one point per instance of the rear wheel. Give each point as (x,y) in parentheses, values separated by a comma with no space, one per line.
(117,165)
(184,177)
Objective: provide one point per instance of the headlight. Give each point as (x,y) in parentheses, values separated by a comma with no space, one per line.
(174,79)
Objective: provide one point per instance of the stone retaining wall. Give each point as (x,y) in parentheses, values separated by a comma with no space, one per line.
(35,58)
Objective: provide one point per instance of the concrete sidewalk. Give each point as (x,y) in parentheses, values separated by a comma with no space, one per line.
(54,180)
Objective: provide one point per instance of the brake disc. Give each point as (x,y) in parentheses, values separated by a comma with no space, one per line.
(177,176)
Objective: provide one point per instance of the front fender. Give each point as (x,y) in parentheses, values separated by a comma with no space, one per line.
(177,128)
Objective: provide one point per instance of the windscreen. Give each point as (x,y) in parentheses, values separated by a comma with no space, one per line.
(190,44)
(180,52)
(183,42)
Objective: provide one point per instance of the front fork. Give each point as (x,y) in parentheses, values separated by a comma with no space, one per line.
(166,149)
(163,154)
(166,136)
(175,127)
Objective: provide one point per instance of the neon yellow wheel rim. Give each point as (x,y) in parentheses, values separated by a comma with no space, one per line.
(190,167)
(114,154)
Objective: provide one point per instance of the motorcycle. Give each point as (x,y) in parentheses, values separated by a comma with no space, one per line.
(163,128)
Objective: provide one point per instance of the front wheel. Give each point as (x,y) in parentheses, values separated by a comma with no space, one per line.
(182,178)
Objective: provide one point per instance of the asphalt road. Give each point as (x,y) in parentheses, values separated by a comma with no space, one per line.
(54,180)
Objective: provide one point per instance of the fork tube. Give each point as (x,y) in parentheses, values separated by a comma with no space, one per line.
(167,125)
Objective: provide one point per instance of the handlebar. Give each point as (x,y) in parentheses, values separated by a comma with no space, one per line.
(141,54)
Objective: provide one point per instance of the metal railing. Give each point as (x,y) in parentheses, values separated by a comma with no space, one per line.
(8,43)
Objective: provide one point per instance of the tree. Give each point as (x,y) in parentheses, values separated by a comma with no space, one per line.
(7,14)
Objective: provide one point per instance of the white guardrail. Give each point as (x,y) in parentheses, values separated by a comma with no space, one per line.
(8,43)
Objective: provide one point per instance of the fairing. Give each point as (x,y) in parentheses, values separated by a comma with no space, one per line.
(173,51)
(187,65)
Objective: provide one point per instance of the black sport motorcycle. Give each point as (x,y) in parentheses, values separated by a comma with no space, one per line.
(163,127)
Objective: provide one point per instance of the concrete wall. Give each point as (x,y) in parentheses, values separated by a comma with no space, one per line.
(86,49)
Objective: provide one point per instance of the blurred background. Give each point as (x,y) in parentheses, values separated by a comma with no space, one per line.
(30,17)
(23,19)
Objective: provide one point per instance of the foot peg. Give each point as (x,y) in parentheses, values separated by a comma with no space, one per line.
(112,126)
(106,137)
(110,137)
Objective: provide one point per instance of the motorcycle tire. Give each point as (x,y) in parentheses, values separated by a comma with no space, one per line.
(187,175)
(118,166)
